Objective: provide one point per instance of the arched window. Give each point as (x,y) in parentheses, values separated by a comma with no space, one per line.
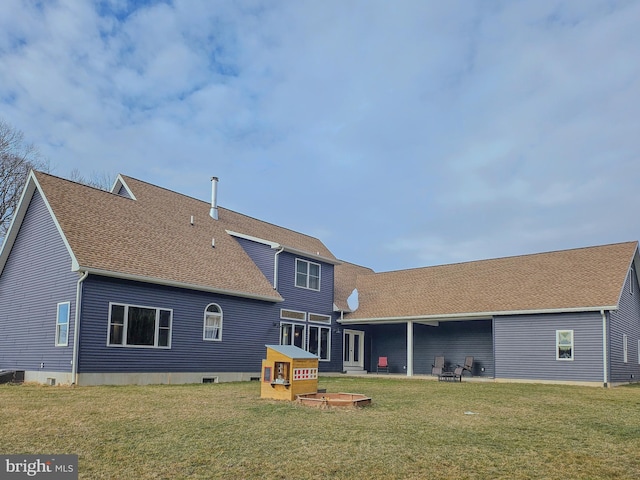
(212,323)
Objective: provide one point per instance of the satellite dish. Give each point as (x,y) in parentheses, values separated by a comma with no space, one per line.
(352,301)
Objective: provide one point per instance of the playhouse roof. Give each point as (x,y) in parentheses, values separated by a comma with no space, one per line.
(291,351)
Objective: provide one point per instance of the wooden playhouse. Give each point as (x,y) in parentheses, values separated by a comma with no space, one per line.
(288,371)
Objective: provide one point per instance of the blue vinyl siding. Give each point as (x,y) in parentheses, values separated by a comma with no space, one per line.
(123,192)
(297,298)
(300,299)
(454,340)
(525,347)
(262,255)
(311,301)
(387,341)
(248,326)
(36,277)
(625,320)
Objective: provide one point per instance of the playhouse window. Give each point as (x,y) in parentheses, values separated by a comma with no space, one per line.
(213,323)
(564,344)
(307,274)
(292,334)
(62,324)
(319,341)
(135,326)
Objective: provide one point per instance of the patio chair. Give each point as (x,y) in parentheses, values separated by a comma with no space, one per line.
(438,366)
(468,365)
(383,365)
(456,375)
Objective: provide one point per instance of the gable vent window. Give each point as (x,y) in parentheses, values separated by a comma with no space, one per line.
(307,274)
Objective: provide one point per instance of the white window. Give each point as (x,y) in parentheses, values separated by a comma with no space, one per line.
(625,348)
(62,324)
(307,274)
(135,326)
(315,339)
(292,315)
(316,317)
(292,334)
(320,341)
(564,344)
(212,323)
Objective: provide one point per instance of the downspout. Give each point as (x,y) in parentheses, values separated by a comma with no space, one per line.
(605,363)
(410,348)
(76,330)
(275,268)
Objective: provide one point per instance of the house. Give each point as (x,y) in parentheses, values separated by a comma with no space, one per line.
(145,285)
(565,316)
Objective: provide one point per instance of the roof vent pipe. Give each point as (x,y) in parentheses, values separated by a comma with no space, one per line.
(214,198)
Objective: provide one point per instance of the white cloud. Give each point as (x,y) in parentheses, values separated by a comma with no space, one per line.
(402,133)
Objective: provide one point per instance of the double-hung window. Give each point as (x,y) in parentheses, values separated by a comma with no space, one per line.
(564,344)
(213,323)
(135,326)
(307,274)
(62,324)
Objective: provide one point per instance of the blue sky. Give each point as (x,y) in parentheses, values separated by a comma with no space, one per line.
(402,134)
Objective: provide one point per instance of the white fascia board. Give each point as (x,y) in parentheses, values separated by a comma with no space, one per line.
(253,239)
(31,186)
(318,257)
(173,283)
(118,183)
(472,316)
(276,245)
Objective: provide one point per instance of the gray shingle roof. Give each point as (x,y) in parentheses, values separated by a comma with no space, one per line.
(152,237)
(584,278)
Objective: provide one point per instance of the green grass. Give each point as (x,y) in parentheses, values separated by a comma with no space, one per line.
(414,429)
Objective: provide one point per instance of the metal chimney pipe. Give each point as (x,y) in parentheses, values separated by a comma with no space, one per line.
(214,198)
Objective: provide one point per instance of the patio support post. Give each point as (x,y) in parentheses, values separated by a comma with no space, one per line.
(410,348)
(605,354)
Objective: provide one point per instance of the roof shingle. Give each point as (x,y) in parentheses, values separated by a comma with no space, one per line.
(152,236)
(584,278)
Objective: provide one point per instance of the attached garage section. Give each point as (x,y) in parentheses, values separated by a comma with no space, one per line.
(526,347)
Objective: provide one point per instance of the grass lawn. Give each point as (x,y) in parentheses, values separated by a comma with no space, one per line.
(414,429)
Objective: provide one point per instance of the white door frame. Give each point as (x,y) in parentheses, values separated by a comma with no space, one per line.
(352,352)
